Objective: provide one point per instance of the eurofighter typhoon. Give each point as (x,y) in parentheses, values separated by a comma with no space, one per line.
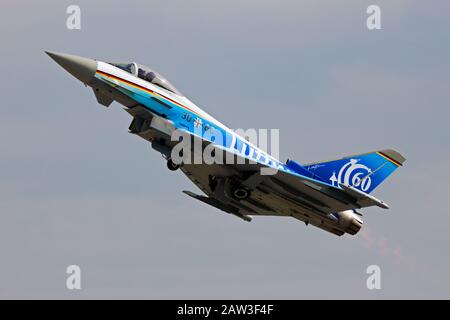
(243,180)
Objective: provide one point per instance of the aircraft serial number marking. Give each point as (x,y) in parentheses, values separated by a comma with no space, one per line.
(186,117)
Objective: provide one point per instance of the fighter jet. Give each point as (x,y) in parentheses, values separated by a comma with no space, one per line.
(325,194)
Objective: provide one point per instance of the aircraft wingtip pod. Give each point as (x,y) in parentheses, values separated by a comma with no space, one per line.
(81,68)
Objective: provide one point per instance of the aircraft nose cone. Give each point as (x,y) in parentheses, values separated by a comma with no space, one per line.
(81,68)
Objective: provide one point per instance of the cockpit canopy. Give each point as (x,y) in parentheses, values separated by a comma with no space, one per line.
(147,74)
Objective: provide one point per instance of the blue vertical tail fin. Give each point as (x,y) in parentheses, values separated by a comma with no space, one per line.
(364,171)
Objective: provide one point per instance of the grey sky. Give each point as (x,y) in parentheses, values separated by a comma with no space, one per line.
(76,188)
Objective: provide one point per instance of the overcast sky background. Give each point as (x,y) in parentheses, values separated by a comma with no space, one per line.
(76,188)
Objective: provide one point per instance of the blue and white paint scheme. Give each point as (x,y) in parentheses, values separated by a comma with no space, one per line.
(325,194)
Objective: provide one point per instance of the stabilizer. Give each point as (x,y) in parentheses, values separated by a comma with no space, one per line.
(363,172)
